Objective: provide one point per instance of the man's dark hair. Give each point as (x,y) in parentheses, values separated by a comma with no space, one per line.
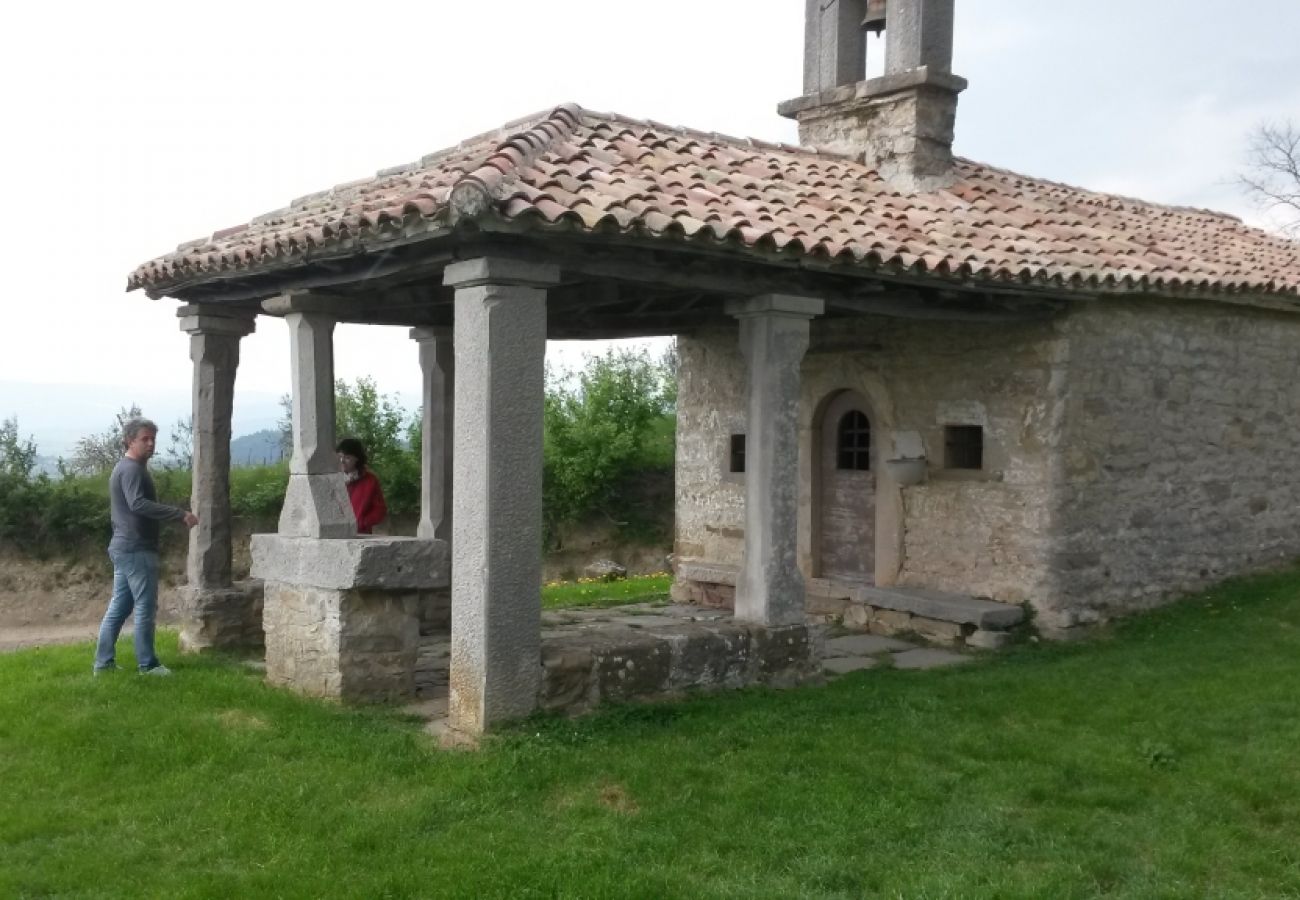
(353,447)
(133,426)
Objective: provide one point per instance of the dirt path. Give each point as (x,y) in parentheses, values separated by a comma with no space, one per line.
(24,637)
(60,601)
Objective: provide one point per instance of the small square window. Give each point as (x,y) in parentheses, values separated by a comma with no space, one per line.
(963,447)
(737,453)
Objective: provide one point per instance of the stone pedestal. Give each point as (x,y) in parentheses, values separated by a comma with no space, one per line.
(215,614)
(773,339)
(222,618)
(500,346)
(316,500)
(342,617)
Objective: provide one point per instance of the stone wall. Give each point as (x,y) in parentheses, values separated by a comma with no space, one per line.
(581,671)
(983,533)
(1178,469)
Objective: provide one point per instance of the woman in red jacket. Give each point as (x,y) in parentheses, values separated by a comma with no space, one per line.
(363,487)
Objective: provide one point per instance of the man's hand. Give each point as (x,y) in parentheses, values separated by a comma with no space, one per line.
(190,520)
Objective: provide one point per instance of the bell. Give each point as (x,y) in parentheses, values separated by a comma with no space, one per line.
(874,20)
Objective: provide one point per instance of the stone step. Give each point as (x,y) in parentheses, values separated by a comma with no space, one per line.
(940,605)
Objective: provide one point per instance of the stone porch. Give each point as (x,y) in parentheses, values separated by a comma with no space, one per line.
(649,651)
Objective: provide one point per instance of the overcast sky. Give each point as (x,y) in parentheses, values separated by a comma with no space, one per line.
(134,127)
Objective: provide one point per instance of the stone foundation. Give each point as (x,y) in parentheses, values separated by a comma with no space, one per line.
(222,619)
(353,644)
(580,671)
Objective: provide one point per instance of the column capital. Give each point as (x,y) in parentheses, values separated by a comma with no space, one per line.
(211,318)
(304,302)
(787,305)
(426,333)
(500,270)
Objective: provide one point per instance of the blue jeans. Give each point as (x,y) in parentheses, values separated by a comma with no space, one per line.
(135,587)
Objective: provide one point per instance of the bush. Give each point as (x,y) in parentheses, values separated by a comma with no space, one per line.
(605,427)
(258,491)
(597,432)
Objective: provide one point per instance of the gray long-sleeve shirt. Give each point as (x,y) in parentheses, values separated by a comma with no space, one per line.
(135,509)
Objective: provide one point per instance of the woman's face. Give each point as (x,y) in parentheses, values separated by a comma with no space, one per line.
(347,463)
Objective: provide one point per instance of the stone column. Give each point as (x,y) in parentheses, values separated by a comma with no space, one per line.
(773,339)
(500,346)
(316,502)
(438,371)
(215,614)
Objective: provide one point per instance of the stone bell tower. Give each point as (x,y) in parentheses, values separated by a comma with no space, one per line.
(901,123)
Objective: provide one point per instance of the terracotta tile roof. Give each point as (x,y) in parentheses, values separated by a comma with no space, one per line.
(587,172)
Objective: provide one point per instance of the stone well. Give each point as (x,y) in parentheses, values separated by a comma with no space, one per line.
(342,616)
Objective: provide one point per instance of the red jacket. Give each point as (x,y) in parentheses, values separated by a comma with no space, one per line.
(367,501)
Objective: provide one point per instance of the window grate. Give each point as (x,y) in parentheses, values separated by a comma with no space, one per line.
(853,445)
(963,447)
(737,453)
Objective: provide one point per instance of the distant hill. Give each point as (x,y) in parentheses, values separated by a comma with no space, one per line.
(256,449)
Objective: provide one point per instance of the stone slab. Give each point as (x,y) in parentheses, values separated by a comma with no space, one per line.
(709,573)
(926,658)
(842,665)
(865,645)
(943,606)
(388,563)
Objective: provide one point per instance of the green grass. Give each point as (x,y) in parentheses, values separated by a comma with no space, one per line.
(1161,762)
(592,592)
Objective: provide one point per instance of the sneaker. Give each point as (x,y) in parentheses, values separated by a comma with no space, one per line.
(106,670)
(156,670)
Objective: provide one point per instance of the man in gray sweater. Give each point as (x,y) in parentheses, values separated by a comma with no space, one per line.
(137,516)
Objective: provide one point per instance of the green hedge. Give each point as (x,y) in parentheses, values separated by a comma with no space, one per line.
(608,429)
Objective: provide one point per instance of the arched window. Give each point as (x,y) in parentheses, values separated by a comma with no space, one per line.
(853,444)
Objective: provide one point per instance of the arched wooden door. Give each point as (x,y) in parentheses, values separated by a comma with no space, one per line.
(847,501)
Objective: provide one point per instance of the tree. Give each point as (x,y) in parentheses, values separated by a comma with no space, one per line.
(596,429)
(17,456)
(180,448)
(377,420)
(383,426)
(98,453)
(1273,178)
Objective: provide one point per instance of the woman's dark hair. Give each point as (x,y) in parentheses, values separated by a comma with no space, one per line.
(353,447)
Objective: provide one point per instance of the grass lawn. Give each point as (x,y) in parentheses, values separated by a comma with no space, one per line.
(594,592)
(1160,762)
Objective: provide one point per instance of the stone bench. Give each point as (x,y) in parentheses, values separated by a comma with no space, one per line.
(938,616)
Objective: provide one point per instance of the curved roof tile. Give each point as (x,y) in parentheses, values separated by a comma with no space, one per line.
(571,168)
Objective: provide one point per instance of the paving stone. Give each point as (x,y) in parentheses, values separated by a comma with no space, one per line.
(988,640)
(842,665)
(864,645)
(927,658)
(644,621)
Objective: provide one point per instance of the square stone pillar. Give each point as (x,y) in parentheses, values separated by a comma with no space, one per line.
(773,339)
(316,502)
(496,570)
(215,614)
(438,378)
